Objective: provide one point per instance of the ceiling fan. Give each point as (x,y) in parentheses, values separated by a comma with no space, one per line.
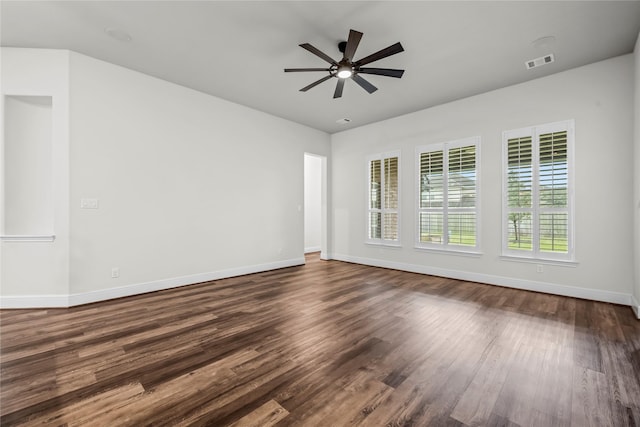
(348,68)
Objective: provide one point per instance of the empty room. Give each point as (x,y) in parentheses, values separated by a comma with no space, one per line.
(320,213)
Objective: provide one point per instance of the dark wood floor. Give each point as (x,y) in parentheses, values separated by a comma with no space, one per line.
(326,344)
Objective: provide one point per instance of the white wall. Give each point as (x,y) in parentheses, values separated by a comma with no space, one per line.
(597,96)
(636,170)
(39,268)
(190,187)
(179,175)
(312,203)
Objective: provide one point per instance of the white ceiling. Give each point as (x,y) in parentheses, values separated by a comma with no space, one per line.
(237,50)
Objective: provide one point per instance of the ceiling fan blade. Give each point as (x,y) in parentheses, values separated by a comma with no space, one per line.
(318,53)
(292,70)
(388,51)
(389,72)
(352,44)
(339,87)
(364,84)
(316,83)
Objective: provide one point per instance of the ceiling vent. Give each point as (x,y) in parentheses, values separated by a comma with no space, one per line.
(543,60)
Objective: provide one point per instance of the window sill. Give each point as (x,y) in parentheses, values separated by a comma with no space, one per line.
(28,238)
(386,245)
(459,252)
(560,262)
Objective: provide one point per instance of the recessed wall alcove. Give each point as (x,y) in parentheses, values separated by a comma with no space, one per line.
(28,168)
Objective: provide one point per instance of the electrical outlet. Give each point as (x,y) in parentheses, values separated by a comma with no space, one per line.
(115,272)
(89,204)
(539,268)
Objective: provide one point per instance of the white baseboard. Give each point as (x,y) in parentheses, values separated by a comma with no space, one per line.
(61,301)
(34,301)
(635,305)
(56,301)
(509,282)
(311,249)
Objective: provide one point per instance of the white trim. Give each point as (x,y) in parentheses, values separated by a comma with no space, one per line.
(312,249)
(49,301)
(384,244)
(509,282)
(562,263)
(28,238)
(461,252)
(34,301)
(635,306)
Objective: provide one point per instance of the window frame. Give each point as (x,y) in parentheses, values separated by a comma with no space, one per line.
(445,245)
(382,241)
(536,210)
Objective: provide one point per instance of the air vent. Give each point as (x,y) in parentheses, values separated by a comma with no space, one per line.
(543,60)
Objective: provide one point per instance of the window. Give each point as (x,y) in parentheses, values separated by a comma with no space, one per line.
(448,195)
(384,191)
(537,192)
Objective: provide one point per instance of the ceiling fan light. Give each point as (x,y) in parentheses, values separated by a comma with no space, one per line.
(344,72)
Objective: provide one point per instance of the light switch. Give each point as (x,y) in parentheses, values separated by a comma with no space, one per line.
(89,204)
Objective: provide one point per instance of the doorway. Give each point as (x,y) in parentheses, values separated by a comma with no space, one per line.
(315,204)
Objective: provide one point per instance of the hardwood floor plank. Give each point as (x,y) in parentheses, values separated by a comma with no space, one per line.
(590,403)
(175,399)
(401,407)
(347,401)
(328,343)
(475,406)
(522,397)
(265,416)
(624,394)
(586,348)
(86,411)
(210,411)
(498,421)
